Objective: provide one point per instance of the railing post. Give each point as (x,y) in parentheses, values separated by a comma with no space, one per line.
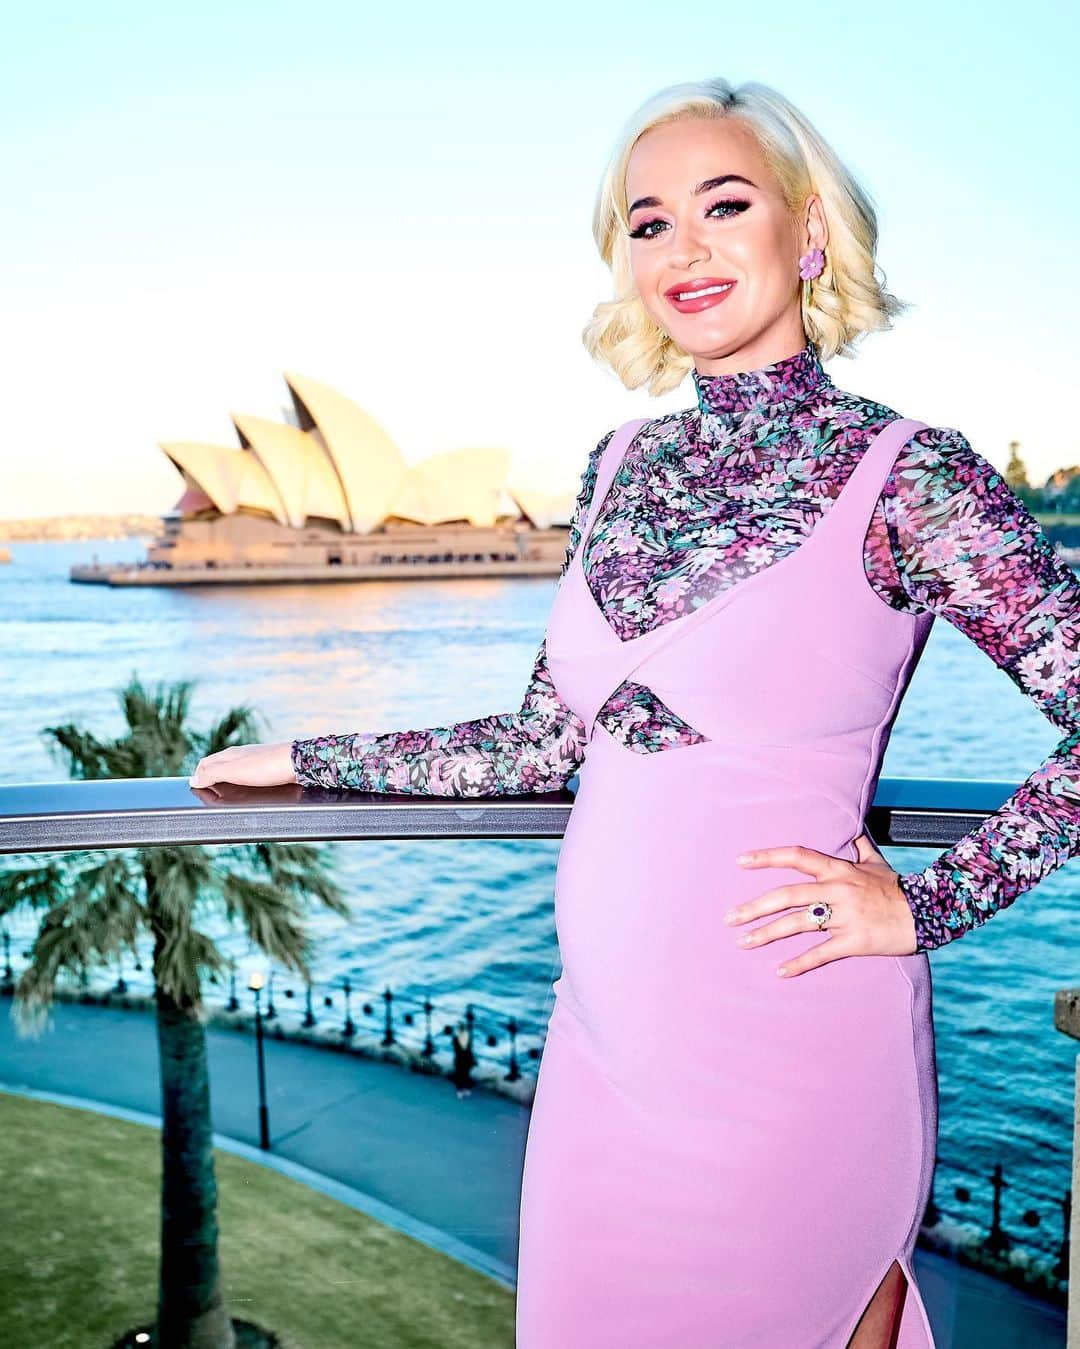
(1067,1020)
(388,1021)
(515,1072)
(1072,1325)
(429,1043)
(997,1239)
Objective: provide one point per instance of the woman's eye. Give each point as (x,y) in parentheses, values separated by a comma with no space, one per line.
(726,208)
(732,206)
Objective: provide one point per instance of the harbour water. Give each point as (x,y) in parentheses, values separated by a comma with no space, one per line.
(473,921)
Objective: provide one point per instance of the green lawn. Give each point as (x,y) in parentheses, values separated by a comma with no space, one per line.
(1057,517)
(78,1249)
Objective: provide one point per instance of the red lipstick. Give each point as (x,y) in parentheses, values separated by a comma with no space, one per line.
(701,293)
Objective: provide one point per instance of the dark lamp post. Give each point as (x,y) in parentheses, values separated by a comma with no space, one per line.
(256,982)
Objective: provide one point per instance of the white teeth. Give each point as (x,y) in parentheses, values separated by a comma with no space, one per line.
(708,290)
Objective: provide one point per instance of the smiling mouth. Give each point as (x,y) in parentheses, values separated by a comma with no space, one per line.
(702,290)
(696,298)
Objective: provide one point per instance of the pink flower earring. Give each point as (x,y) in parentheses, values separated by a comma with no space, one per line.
(811,264)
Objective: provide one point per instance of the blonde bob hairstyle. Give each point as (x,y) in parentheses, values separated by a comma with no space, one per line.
(846,300)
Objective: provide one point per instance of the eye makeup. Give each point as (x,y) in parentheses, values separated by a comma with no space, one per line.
(734,206)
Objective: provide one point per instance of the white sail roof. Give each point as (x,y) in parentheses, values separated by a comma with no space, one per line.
(297,465)
(231,478)
(369,465)
(454,485)
(340,464)
(546,510)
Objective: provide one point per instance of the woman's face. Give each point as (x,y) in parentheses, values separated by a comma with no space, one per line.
(705,207)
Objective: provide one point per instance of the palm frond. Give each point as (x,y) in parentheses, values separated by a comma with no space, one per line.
(183,958)
(238,726)
(274,921)
(108,884)
(30,885)
(316,883)
(85,756)
(156,719)
(300,868)
(177,879)
(92,924)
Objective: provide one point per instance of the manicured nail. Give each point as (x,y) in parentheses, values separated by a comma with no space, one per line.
(730,916)
(743,857)
(781,969)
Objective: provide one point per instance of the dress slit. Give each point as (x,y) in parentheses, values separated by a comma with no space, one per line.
(914,1330)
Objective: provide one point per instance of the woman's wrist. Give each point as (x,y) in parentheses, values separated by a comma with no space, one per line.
(930,928)
(295,750)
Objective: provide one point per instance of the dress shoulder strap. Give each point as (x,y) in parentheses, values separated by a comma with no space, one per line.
(859,495)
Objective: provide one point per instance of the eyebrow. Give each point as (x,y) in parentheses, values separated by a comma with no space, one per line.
(706,186)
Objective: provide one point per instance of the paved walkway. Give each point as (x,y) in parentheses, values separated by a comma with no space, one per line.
(401,1146)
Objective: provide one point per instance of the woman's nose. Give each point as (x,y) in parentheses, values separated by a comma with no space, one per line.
(686,245)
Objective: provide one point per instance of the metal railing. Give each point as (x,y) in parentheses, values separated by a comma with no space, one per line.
(154,812)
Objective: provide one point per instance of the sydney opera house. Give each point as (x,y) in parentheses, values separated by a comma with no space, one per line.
(327,495)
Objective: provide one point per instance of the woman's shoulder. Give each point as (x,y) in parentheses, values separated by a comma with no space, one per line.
(939,463)
(640,433)
(961,533)
(666,426)
(938,483)
(934,460)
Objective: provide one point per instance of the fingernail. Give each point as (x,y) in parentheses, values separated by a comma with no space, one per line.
(743,857)
(729,917)
(782,969)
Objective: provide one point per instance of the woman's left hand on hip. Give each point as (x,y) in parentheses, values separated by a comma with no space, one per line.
(870,914)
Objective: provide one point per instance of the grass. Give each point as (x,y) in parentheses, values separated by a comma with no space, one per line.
(79,1235)
(1056,517)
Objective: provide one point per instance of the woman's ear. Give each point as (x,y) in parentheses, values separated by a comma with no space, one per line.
(814,225)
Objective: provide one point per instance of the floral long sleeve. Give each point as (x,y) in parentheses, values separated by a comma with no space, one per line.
(969,549)
(537,748)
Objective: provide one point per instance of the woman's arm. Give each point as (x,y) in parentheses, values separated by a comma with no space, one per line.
(538,748)
(969,549)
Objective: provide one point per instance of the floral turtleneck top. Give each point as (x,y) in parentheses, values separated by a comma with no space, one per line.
(706,497)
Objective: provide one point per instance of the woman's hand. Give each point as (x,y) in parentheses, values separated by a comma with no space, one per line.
(870,914)
(246,766)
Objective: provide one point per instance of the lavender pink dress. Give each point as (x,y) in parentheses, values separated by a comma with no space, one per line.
(718,1156)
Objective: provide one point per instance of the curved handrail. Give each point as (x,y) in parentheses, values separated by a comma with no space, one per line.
(149,812)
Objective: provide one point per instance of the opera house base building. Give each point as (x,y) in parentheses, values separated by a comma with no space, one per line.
(329,497)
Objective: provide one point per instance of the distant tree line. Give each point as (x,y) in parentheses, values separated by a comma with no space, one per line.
(1059,494)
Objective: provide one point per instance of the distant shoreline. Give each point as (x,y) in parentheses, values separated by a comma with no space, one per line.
(1062,529)
(58,528)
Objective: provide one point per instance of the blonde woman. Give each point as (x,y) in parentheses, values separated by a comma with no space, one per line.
(733,1133)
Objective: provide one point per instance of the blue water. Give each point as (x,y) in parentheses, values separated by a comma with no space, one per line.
(471,921)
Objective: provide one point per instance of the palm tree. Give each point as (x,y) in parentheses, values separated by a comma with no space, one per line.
(95,906)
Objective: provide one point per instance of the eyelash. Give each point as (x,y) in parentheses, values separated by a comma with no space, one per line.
(739,204)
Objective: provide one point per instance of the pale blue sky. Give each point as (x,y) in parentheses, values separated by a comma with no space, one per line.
(398,203)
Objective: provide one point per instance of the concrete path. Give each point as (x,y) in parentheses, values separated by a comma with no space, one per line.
(402,1143)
